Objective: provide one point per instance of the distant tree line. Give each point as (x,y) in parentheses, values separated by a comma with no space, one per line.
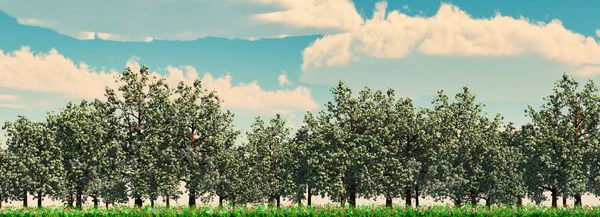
(146,139)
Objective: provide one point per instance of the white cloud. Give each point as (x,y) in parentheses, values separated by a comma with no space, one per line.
(450,31)
(32,22)
(588,71)
(84,35)
(283,80)
(598,33)
(248,97)
(187,20)
(327,14)
(117,37)
(6,97)
(13,106)
(51,72)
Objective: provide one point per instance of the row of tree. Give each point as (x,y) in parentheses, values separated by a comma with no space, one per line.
(146,139)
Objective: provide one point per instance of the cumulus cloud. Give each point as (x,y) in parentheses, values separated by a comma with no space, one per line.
(451,31)
(6,97)
(588,71)
(283,80)
(52,72)
(12,106)
(247,96)
(335,14)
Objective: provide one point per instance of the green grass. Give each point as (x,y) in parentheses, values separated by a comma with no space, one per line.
(328,210)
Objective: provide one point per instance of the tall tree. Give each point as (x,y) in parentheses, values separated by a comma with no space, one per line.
(564,126)
(460,126)
(197,130)
(6,179)
(37,166)
(269,152)
(135,110)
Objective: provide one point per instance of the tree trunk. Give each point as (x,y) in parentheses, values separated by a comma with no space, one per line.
(473,198)
(152,203)
(458,202)
(309,198)
(578,200)
(220,201)
(417,196)
(408,197)
(106,204)
(39,199)
(79,200)
(554,199)
(342,196)
(25,199)
(96,201)
(167,201)
(278,202)
(139,202)
(0,201)
(353,197)
(70,201)
(519,202)
(388,202)
(564,201)
(488,203)
(192,200)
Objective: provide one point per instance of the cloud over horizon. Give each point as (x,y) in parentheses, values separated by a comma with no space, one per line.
(451,31)
(52,72)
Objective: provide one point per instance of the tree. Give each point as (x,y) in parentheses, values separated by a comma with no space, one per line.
(37,166)
(224,164)
(269,153)
(562,131)
(394,130)
(460,127)
(6,179)
(139,134)
(307,149)
(198,121)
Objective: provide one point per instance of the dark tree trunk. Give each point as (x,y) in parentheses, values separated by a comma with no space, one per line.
(473,198)
(70,200)
(0,201)
(578,200)
(353,197)
(565,201)
(39,199)
(417,196)
(167,201)
(25,199)
(342,201)
(408,197)
(458,202)
(554,199)
(309,198)
(139,202)
(220,201)
(388,202)
(488,203)
(106,203)
(152,203)
(192,200)
(278,202)
(96,201)
(519,202)
(79,200)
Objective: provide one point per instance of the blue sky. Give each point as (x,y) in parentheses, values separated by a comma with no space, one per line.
(268,56)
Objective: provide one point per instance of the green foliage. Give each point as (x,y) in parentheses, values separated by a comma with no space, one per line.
(440,211)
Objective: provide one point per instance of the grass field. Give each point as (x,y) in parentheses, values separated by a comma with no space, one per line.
(328,210)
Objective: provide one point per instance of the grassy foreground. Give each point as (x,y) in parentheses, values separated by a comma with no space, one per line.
(328,210)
